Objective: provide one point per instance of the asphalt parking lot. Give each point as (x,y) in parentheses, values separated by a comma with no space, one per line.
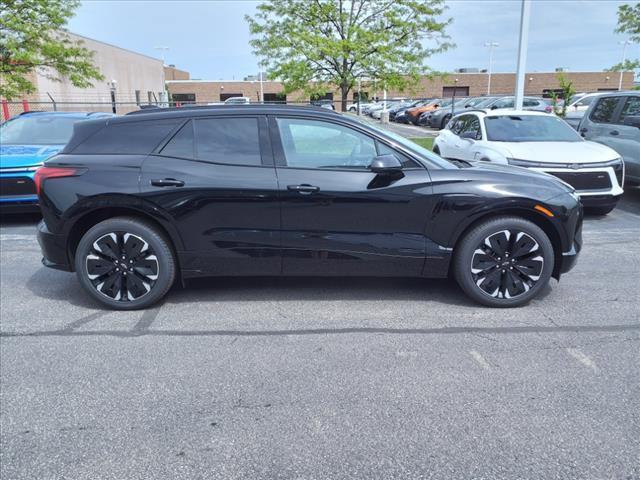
(324,378)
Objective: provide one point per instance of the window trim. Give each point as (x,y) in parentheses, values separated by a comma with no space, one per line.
(281,161)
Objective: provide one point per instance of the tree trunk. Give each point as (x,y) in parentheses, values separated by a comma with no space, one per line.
(344,96)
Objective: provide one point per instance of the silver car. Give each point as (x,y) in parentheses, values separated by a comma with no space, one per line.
(614,120)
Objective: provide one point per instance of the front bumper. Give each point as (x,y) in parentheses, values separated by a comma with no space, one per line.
(54,249)
(596,186)
(17,190)
(570,257)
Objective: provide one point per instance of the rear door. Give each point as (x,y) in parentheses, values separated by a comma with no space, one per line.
(215,180)
(627,141)
(338,217)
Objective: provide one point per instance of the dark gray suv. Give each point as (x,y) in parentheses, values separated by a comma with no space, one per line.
(614,120)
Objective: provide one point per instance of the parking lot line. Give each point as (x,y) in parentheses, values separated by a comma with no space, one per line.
(480,359)
(582,358)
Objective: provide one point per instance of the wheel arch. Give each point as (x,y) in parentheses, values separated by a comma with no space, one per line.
(533,216)
(90,218)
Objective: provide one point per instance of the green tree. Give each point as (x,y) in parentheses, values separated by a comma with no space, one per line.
(33,39)
(629,25)
(316,45)
(567,93)
(629,21)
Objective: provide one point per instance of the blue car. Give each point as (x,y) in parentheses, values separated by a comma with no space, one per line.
(26,141)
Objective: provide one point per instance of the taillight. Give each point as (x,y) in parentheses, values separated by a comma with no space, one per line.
(43,173)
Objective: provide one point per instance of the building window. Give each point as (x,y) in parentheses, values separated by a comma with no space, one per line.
(184,97)
(275,98)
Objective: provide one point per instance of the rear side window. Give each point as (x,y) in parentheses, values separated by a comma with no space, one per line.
(182,144)
(631,108)
(604,109)
(127,138)
(228,140)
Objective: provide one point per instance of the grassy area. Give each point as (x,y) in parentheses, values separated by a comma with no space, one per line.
(425,142)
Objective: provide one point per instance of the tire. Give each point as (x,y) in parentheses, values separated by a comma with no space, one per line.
(510,282)
(445,120)
(125,263)
(599,210)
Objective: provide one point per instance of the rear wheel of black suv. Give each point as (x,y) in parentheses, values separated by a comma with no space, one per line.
(125,263)
(504,262)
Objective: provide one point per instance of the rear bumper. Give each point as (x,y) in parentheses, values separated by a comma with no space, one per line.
(54,249)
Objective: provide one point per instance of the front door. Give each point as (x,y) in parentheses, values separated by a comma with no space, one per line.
(216,180)
(338,217)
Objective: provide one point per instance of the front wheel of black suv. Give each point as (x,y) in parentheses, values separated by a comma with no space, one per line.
(504,262)
(125,263)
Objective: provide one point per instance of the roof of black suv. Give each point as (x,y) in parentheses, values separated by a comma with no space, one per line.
(160,113)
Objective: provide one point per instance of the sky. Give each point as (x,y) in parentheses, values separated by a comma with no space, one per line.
(210,39)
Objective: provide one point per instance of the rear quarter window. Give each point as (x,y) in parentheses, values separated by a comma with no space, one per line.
(128,138)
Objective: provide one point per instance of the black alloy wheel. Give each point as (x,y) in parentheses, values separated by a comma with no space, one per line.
(125,263)
(504,262)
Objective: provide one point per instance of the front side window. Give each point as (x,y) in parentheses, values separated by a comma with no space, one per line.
(317,144)
(604,109)
(233,141)
(631,108)
(471,127)
(529,128)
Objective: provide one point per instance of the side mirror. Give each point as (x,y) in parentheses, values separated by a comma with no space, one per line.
(386,164)
(632,121)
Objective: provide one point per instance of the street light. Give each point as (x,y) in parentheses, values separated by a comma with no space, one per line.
(624,44)
(162,49)
(523,44)
(491,45)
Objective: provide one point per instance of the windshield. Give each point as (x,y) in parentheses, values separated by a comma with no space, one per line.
(529,128)
(37,130)
(474,102)
(413,147)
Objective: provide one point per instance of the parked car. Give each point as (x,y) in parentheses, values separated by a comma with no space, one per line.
(237,101)
(402,106)
(380,106)
(137,202)
(577,106)
(402,116)
(535,104)
(324,103)
(413,114)
(539,142)
(377,114)
(613,119)
(26,141)
(353,107)
(440,117)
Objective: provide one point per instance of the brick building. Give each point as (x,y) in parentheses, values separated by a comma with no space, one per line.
(465,84)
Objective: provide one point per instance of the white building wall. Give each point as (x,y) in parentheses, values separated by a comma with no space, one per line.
(132,71)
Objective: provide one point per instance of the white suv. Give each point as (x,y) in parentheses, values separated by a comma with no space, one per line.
(541,142)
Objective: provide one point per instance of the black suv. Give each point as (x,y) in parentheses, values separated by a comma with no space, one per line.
(132,203)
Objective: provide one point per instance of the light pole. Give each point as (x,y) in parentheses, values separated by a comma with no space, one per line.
(162,50)
(522,53)
(113,85)
(261,87)
(491,45)
(624,44)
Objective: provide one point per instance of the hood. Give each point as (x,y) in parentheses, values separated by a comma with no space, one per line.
(547,184)
(17,156)
(560,152)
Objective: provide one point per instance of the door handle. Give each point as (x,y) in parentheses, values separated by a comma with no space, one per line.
(304,189)
(614,132)
(167,182)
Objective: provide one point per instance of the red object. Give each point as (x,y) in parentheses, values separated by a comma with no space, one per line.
(178,104)
(5,110)
(25,105)
(44,173)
